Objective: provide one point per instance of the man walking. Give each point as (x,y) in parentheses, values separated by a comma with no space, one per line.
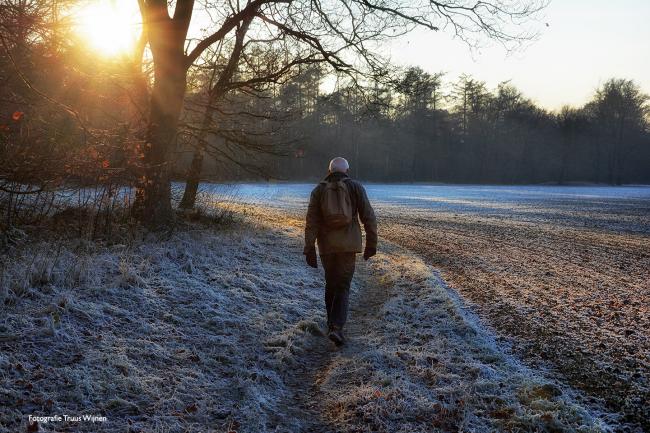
(335,207)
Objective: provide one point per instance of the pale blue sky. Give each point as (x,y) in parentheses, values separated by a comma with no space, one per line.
(586,42)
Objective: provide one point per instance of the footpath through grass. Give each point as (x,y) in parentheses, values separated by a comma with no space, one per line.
(212,331)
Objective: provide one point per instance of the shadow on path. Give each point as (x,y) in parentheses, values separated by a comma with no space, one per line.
(307,404)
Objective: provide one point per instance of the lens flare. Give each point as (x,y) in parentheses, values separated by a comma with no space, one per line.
(110,27)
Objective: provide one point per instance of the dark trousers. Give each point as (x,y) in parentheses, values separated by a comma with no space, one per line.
(339,269)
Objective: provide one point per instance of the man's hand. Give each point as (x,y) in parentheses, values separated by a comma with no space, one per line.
(310,256)
(369,252)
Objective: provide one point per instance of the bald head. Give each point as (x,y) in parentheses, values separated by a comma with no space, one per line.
(339,164)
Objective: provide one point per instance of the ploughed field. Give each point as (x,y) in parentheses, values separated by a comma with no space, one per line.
(561,273)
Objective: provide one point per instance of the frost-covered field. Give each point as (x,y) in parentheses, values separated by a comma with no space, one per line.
(612,208)
(207,331)
(562,272)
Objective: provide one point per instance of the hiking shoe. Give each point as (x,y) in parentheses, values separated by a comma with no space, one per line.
(336,335)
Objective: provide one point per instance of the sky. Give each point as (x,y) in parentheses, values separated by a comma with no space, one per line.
(586,43)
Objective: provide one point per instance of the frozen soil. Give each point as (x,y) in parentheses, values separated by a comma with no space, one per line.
(575,298)
(220,331)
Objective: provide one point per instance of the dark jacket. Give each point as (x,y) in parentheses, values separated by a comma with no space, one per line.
(346,239)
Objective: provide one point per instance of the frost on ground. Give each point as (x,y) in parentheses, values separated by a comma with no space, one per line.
(165,336)
(574,298)
(562,273)
(209,331)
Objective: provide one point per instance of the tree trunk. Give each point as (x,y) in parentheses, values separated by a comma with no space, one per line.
(166,40)
(193,180)
(194,172)
(166,104)
(216,92)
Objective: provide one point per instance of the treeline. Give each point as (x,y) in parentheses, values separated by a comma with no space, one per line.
(71,120)
(418,128)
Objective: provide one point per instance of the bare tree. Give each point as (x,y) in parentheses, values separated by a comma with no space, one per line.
(216,91)
(344,32)
(252,69)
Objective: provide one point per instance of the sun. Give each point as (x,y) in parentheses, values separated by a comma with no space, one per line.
(111,27)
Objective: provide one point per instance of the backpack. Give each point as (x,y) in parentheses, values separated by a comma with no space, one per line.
(336,204)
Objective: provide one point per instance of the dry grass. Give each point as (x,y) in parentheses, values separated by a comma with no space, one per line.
(164,335)
(204,330)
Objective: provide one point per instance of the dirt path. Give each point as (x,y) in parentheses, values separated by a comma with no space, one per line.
(413,363)
(308,397)
(304,404)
